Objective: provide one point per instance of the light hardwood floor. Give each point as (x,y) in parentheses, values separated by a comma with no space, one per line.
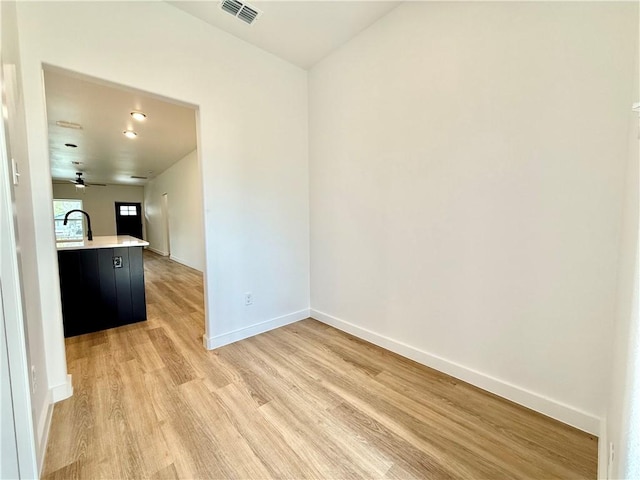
(303,401)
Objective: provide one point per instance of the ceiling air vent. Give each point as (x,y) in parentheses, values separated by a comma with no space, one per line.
(245,12)
(65,124)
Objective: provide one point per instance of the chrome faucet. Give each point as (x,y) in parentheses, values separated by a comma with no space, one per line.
(89,232)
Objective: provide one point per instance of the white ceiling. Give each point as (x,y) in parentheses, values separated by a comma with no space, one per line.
(164,137)
(301,32)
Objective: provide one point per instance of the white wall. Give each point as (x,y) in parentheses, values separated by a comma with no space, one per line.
(467,165)
(255,192)
(99,203)
(40,352)
(182,184)
(623,412)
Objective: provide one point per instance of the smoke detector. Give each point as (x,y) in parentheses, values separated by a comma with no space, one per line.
(241,10)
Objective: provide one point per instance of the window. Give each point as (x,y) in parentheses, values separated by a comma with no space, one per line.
(74,229)
(128,210)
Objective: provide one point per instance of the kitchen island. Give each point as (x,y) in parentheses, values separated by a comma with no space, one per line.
(101,283)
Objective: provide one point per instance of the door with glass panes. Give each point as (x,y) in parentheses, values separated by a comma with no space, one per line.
(129,219)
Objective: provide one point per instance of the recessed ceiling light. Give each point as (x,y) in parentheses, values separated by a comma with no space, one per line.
(71,145)
(130,134)
(65,124)
(139,116)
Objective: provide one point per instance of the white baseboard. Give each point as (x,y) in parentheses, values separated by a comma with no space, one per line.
(62,391)
(226,338)
(183,262)
(540,403)
(43,426)
(56,394)
(603,452)
(159,252)
(44,438)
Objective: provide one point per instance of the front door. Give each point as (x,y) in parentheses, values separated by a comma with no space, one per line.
(129,219)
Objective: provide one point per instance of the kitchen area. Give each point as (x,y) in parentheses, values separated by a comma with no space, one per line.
(116,156)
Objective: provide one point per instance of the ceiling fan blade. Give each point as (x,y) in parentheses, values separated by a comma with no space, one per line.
(96,184)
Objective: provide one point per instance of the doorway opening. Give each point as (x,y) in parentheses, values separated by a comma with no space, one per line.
(122,152)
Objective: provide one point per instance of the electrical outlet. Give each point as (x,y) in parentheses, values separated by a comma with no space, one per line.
(34,382)
(248,299)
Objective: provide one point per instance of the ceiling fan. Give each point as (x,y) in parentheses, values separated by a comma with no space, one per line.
(80,183)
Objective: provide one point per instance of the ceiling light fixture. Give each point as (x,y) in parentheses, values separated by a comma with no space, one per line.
(139,116)
(130,134)
(79,181)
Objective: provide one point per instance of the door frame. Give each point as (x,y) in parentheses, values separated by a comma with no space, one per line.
(13,314)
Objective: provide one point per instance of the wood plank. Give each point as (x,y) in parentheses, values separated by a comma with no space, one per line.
(176,363)
(166,473)
(275,453)
(407,458)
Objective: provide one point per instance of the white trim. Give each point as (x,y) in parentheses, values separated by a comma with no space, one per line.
(183,262)
(11,301)
(540,403)
(226,338)
(42,426)
(54,395)
(62,391)
(603,451)
(159,252)
(44,438)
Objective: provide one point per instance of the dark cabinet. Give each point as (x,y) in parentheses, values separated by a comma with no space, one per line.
(101,288)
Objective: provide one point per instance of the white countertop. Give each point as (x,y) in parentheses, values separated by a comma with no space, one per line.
(109,241)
